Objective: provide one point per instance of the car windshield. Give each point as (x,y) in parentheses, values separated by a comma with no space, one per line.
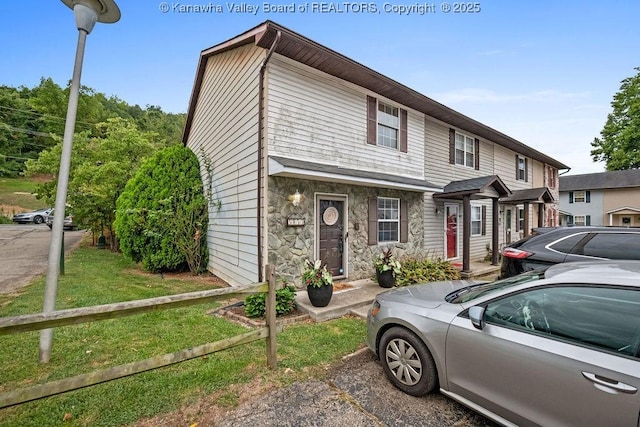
(469,293)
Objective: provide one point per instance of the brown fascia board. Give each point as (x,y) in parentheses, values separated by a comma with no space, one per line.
(303,50)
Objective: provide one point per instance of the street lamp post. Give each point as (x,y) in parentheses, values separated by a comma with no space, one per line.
(87,13)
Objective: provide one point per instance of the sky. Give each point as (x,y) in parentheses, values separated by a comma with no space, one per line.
(543,72)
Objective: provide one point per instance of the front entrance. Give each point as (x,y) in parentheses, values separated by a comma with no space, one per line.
(331,220)
(451,230)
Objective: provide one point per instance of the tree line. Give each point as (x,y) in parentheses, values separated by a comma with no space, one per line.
(32,120)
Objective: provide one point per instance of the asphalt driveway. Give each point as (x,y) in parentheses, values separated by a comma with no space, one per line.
(24,250)
(355,393)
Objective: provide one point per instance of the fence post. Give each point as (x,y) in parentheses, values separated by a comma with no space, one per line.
(272,358)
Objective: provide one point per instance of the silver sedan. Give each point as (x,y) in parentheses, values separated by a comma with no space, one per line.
(37,216)
(560,347)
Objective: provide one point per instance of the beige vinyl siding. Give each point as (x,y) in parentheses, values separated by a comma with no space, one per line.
(225,126)
(439,171)
(318,118)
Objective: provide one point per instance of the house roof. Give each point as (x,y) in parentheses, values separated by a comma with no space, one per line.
(283,166)
(473,187)
(601,180)
(534,195)
(305,51)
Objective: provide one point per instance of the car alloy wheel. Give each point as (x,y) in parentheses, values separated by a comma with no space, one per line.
(38,219)
(407,362)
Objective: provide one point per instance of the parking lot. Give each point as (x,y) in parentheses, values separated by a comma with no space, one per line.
(24,250)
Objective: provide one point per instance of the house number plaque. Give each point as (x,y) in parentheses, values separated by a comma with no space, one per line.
(294,221)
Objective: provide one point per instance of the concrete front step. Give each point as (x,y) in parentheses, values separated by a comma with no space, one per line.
(354,300)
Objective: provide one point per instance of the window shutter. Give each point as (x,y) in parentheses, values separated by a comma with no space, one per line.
(452,146)
(484,219)
(403,131)
(526,170)
(517,169)
(570,196)
(404,221)
(476,153)
(372,120)
(373,221)
(588,197)
(588,220)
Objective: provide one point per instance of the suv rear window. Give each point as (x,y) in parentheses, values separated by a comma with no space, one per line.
(566,244)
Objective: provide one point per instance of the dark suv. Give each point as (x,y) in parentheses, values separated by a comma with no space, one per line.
(566,244)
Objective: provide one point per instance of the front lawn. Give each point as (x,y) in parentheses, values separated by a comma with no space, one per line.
(99,277)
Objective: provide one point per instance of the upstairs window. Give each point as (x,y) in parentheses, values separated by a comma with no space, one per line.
(522,168)
(464,150)
(386,125)
(582,196)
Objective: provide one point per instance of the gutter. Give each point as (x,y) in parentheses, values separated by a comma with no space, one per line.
(263,69)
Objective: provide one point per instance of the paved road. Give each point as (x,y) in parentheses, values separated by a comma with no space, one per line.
(24,250)
(355,394)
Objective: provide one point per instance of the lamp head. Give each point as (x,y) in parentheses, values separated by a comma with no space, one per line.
(107,11)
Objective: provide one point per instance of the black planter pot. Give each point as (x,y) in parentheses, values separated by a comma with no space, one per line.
(386,279)
(320,297)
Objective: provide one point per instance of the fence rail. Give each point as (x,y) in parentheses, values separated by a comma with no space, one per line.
(33,322)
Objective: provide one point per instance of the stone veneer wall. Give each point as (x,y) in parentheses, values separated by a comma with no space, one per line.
(289,247)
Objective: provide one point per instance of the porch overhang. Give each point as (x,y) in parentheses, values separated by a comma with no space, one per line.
(625,210)
(485,187)
(294,168)
(475,188)
(529,195)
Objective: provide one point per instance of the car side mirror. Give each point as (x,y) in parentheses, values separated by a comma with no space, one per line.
(476,314)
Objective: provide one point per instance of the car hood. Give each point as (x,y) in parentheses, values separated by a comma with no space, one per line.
(428,295)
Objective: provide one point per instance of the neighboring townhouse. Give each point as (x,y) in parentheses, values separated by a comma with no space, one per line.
(605,198)
(315,156)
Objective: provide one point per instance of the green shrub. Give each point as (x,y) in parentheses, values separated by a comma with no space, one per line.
(255,305)
(421,270)
(162,214)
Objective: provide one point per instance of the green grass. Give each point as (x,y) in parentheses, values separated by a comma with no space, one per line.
(100,277)
(18,192)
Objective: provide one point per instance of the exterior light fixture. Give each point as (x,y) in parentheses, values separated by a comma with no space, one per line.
(87,13)
(296,198)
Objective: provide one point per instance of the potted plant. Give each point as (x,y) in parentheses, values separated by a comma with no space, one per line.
(319,283)
(387,267)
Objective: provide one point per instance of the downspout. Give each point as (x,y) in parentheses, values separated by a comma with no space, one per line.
(263,69)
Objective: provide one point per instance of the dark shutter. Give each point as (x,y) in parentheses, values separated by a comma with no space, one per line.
(452,146)
(587,197)
(476,153)
(404,221)
(588,220)
(517,167)
(373,221)
(526,170)
(484,219)
(517,218)
(372,120)
(570,196)
(403,131)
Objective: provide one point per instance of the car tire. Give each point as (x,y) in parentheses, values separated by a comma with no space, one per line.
(407,362)
(38,219)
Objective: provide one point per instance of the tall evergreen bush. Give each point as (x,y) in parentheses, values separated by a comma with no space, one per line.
(162,216)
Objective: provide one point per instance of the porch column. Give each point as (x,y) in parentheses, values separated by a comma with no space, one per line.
(495,232)
(541,210)
(466,234)
(527,226)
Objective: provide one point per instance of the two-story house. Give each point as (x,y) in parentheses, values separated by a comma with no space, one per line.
(315,156)
(605,198)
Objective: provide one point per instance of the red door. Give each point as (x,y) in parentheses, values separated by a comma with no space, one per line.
(451,231)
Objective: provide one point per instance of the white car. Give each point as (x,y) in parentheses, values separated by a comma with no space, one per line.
(36,217)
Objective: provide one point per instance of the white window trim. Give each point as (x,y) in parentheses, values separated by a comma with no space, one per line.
(378,124)
(580,194)
(522,169)
(464,150)
(579,223)
(384,242)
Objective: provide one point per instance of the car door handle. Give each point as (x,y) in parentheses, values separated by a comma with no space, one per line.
(616,385)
